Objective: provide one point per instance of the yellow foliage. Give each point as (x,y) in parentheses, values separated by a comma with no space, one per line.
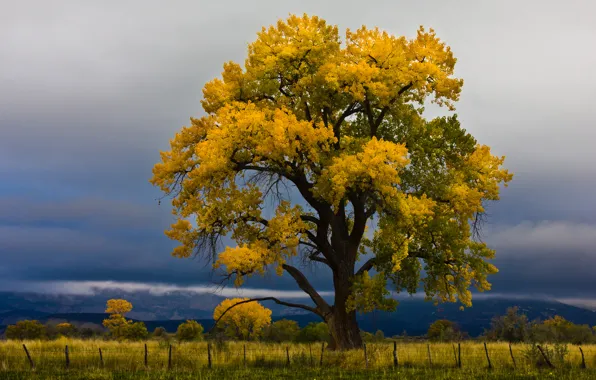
(375,169)
(117,323)
(118,306)
(245,321)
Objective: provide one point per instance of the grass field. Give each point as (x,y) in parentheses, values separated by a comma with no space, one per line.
(190,361)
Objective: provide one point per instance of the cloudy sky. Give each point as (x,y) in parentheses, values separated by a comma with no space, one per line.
(91,91)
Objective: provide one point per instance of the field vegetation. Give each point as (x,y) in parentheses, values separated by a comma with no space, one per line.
(287,360)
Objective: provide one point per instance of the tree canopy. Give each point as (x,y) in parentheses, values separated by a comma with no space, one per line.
(332,133)
(242,320)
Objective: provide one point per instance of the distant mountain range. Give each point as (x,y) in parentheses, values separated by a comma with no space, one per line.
(412,316)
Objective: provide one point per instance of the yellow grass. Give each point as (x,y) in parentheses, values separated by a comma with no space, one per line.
(129,356)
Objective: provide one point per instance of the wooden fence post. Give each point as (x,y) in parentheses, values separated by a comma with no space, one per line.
(490,366)
(583,359)
(322,350)
(365,356)
(430,360)
(100,358)
(66,356)
(288,354)
(459,354)
(244,356)
(311,359)
(170,358)
(29,357)
(512,357)
(454,353)
(545,357)
(209,355)
(395,362)
(146,355)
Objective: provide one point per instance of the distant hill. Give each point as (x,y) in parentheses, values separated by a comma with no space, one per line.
(412,316)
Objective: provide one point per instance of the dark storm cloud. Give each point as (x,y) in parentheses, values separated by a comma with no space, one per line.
(90,92)
(553,258)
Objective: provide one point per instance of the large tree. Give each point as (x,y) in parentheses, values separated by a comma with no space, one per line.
(332,135)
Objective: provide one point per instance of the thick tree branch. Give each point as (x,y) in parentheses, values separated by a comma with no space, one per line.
(367,266)
(303,283)
(360,218)
(310,218)
(352,109)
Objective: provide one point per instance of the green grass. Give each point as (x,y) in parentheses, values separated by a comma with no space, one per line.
(300,373)
(263,360)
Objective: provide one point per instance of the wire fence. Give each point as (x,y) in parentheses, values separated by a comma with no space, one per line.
(205,355)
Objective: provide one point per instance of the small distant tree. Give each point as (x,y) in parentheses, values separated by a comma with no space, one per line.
(159,332)
(90,330)
(117,323)
(66,329)
(314,332)
(244,321)
(559,330)
(284,330)
(511,327)
(404,334)
(135,331)
(189,331)
(379,336)
(443,330)
(26,330)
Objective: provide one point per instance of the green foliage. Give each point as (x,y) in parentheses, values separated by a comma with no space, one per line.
(379,336)
(559,330)
(189,331)
(511,327)
(284,330)
(159,332)
(135,331)
(370,293)
(26,330)
(314,332)
(443,330)
(515,327)
(556,354)
(88,332)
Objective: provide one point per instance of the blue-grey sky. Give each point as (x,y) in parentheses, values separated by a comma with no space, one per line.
(91,91)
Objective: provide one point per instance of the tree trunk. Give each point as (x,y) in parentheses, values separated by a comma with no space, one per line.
(343,327)
(344,330)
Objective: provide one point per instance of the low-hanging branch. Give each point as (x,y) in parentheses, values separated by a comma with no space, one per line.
(262,299)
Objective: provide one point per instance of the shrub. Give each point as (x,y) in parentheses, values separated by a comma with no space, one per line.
(283,330)
(159,332)
(189,330)
(314,332)
(135,331)
(24,330)
(443,330)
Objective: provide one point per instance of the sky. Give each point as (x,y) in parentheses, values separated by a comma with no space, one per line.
(90,92)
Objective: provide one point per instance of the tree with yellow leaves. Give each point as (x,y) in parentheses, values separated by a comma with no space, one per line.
(241,319)
(386,195)
(117,323)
